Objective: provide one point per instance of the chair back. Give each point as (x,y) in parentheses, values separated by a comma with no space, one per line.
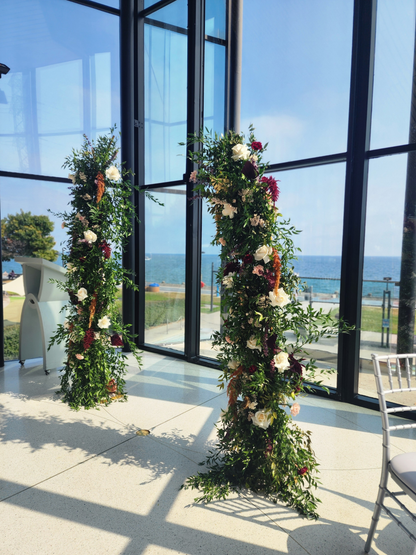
(401,382)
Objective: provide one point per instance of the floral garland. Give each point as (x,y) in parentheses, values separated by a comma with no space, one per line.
(98,226)
(259,446)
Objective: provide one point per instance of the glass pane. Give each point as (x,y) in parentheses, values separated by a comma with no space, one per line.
(173,14)
(63,81)
(296,75)
(32,198)
(165,104)
(215,18)
(111,3)
(210,289)
(313,200)
(393,73)
(382,263)
(214,93)
(165,268)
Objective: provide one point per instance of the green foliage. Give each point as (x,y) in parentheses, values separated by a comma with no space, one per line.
(98,225)
(24,234)
(11,342)
(259,446)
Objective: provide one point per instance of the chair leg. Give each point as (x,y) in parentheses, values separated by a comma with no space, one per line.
(376,514)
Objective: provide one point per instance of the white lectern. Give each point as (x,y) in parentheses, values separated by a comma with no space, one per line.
(41,311)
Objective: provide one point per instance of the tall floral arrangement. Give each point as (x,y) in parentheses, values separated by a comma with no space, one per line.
(264,331)
(98,224)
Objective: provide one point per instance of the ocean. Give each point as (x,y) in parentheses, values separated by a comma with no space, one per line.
(322,271)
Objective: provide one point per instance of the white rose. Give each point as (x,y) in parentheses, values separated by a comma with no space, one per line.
(229,211)
(281,361)
(228,280)
(281,298)
(233,364)
(82,294)
(90,236)
(240,152)
(112,173)
(262,419)
(252,343)
(104,322)
(263,253)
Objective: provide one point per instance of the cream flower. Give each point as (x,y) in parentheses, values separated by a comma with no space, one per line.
(229,211)
(240,152)
(233,364)
(228,280)
(70,267)
(79,357)
(263,253)
(90,236)
(112,173)
(66,324)
(82,294)
(104,322)
(281,361)
(281,298)
(294,409)
(72,178)
(252,405)
(252,343)
(83,176)
(262,419)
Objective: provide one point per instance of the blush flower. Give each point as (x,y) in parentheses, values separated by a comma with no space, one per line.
(258,270)
(193,175)
(79,357)
(294,409)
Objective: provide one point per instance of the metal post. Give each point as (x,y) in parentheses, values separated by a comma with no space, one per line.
(127,135)
(212,286)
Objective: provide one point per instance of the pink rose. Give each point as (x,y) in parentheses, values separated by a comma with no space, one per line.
(294,409)
(258,270)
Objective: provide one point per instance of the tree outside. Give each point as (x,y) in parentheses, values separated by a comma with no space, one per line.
(24,234)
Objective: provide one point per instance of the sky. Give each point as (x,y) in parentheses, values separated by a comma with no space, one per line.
(295,91)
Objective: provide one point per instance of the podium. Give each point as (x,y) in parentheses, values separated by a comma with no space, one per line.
(41,311)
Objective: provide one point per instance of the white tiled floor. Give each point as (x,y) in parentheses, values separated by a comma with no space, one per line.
(85,482)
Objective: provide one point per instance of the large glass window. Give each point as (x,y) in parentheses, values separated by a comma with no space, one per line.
(312,199)
(165,268)
(19,204)
(385,231)
(165,96)
(63,81)
(394,73)
(296,75)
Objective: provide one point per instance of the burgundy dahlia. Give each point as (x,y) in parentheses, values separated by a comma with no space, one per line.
(271,185)
(116,340)
(252,369)
(231,267)
(256,145)
(88,339)
(295,365)
(248,259)
(302,471)
(105,247)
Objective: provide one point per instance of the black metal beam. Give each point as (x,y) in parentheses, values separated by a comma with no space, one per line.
(234,64)
(127,73)
(98,6)
(195,121)
(356,194)
(140,172)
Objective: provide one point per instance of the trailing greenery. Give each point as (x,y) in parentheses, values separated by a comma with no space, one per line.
(98,225)
(259,445)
